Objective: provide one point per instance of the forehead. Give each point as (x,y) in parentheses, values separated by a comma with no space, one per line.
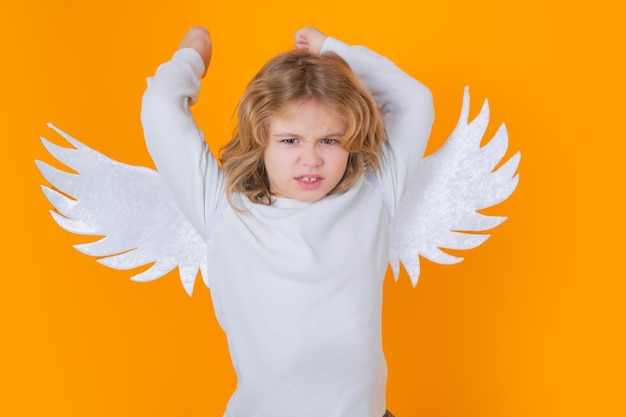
(308,112)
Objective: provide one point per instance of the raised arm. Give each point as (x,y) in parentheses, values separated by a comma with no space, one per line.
(199,39)
(173,139)
(406,104)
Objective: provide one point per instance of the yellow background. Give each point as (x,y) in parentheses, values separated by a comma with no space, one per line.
(530,324)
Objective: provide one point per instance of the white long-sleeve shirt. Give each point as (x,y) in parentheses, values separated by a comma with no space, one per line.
(296,286)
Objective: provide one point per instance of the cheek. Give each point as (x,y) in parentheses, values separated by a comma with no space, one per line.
(340,162)
(268,162)
(269,156)
(274,161)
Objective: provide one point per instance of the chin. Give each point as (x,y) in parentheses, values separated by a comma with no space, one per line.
(308,197)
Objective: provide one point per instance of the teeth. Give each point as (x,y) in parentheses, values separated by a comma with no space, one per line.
(308,179)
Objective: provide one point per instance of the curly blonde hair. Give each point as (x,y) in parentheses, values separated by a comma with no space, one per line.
(288,79)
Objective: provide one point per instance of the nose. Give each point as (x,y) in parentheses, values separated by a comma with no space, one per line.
(311,156)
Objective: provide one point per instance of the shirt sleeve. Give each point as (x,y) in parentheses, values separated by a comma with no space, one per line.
(175,142)
(407,108)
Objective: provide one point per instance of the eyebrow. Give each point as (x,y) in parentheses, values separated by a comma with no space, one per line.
(333,135)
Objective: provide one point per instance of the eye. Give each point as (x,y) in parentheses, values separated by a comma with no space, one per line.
(290,141)
(329,141)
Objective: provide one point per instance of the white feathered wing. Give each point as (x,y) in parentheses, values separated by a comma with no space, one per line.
(440,206)
(130,206)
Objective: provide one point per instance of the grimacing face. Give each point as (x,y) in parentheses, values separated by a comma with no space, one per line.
(304,157)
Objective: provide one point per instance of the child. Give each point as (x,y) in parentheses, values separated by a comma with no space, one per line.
(296,217)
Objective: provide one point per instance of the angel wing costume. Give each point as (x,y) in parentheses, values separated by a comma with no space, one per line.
(296,286)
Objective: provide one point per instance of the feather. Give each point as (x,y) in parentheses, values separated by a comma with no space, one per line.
(439,209)
(129,207)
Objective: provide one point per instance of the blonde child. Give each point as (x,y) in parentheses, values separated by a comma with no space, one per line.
(296,215)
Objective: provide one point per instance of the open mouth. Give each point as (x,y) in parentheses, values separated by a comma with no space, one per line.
(309,179)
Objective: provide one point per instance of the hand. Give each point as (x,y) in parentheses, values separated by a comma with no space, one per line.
(310,38)
(198,38)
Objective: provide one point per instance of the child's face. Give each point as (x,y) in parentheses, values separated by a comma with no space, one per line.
(304,158)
